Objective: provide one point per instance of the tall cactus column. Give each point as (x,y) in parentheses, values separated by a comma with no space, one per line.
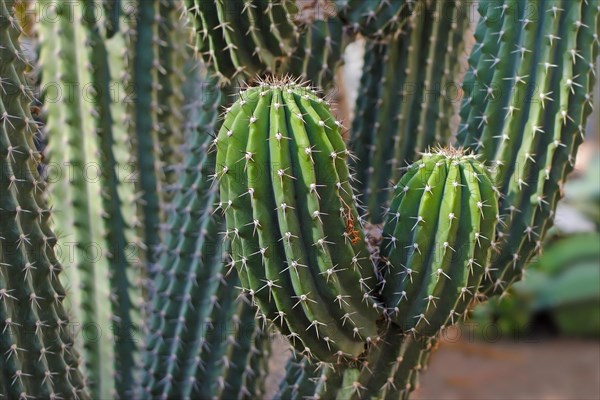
(526,114)
(76,190)
(37,358)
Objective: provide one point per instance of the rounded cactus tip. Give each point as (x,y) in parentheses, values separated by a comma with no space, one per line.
(450,152)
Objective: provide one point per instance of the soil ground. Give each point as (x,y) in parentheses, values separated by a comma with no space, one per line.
(545,369)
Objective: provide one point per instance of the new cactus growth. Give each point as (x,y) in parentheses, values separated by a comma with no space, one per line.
(291,219)
(37,358)
(437,240)
(244,37)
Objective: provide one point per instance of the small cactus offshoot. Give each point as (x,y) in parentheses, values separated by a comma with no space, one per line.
(295,233)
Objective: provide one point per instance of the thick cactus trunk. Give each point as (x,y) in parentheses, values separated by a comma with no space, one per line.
(36,345)
(86,136)
(526,113)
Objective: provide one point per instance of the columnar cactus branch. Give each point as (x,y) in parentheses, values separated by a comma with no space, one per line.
(37,358)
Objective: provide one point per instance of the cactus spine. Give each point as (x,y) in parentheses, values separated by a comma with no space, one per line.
(37,355)
(305,265)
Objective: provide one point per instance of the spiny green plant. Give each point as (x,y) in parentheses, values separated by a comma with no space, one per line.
(37,356)
(535,78)
(432,271)
(374,18)
(293,228)
(244,37)
(280,149)
(405,103)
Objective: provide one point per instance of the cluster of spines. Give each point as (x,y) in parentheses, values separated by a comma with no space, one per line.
(291,218)
(413,104)
(526,112)
(76,194)
(374,19)
(37,357)
(437,241)
(391,369)
(244,37)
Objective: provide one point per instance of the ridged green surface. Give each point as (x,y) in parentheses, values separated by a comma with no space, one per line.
(203,339)
(414,101)
(530,125)
(173,55)
(296,238)
(37,354)
(75,190)
(243,37)
(374,18)
(319,53)
(437,240)
(141,85)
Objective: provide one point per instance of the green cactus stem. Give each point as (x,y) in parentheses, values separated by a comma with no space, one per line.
(243,37)
(37,358)
(437,240)
(530,122)
(203,338)
(319,52)
(75,192)
(173,54)
(295,231)
(374,19)
(413,104)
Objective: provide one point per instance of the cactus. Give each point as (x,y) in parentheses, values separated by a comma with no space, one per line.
(530,141)
(173,55)
(437,240)
(37,355)
(408,99)
(207,351)
(362,312)
(374,18)
(319,52)
(244,37)
(101,257)
(321,298)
